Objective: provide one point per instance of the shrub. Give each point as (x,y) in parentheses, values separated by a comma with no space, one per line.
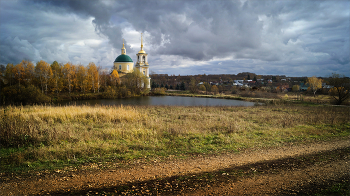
(258,94)
(202,87)
(159,91)
(110,93)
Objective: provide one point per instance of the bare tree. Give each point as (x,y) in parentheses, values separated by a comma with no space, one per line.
(340,91)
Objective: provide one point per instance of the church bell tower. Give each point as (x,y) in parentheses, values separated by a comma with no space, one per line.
(142,63)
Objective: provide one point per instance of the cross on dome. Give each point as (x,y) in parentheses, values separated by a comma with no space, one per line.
(141,51)
(123,49)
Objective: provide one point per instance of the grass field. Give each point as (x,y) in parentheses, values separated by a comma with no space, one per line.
(47,137)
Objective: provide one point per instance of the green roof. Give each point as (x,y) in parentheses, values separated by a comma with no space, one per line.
(123,58)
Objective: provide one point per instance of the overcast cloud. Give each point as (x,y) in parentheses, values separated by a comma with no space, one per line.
(293,38)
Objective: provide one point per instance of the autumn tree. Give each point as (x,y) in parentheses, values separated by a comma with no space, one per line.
(57,77)
(193,85)
(207,87)
(136,82)
(43,73)
(295,88)
(202,87)
(82,80)
(115,77)
(29,71)
(18,72)
(214,89)
(341,88)
(69,75)
(93,76)
(314,84)
(23,72)
(221,88)
(99,68)
(104,78)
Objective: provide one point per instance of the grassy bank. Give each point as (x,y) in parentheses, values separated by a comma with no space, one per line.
(263,96)
(43,137)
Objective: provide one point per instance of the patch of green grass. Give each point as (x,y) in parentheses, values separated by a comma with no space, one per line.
(336,189)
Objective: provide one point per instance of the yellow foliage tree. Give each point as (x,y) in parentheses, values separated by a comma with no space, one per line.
(214,89)
(29,71)
(57,77)
(93,76)
(69,75)
(44,73)
(202,87)
(295,88)
(115,77)
(314,84)
(193,85)
(82,81)
(19,73)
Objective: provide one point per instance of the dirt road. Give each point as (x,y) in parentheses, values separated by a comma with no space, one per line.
(291,169)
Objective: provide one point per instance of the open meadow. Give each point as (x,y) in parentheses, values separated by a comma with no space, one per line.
(49,137)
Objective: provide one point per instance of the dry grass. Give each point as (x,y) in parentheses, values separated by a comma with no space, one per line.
(34,135)
(41,133)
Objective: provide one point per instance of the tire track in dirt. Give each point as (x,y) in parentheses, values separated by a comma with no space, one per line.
(65,183)
(284,183)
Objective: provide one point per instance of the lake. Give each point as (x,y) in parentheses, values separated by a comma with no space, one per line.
(162,100)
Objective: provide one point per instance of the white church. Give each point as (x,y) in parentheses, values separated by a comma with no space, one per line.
(124,64)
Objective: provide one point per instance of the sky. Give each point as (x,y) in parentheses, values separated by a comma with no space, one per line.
(189,37)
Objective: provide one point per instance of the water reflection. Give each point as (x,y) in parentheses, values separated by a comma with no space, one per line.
(163,100)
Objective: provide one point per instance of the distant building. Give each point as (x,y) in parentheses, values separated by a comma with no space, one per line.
(238,83)
(303,87)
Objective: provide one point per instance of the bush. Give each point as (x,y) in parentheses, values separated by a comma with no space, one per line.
(24,95)
(159,91)
(124,92)
(110,93)
(258,94)
(202,87)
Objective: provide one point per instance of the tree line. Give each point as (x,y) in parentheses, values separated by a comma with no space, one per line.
(43,82)
(338,85)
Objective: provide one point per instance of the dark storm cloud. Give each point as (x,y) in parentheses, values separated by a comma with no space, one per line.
(288,36)
(199,30)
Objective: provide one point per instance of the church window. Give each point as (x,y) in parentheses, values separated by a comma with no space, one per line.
(144,73)
(127,67)
(120,67)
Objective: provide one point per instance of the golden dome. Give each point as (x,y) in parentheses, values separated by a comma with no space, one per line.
(142,52)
